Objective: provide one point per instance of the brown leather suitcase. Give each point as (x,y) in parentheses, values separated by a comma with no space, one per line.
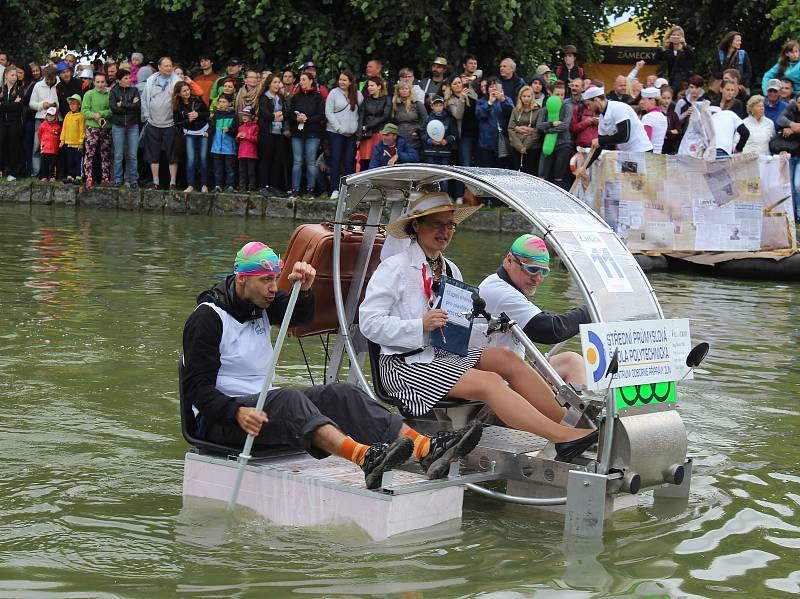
(314,244)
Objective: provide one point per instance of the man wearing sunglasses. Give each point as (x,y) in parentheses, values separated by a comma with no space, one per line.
(524,268)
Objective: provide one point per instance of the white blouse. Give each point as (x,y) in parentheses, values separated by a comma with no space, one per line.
(760,133)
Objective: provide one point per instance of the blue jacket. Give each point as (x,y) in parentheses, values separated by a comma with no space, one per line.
(223,143)
(491,120)
(450,134)
(405,153)
(773,112)
(792,73)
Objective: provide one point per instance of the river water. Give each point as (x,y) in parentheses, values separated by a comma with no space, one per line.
(93,305)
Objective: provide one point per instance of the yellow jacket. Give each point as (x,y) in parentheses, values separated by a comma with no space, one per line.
(73,129)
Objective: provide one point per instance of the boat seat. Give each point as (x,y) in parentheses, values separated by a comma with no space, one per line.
(383,395)
(189,431)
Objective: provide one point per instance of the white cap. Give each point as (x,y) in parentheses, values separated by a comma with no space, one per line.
(774,84)
(660,82)
(52,110)
(86,74)
(651,92)
(593,92)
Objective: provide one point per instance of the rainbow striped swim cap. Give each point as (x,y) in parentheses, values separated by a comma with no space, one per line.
(257,259)
(531,254)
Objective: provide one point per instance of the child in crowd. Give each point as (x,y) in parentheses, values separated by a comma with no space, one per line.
(223,146)
(137,58)
(72,134)
(439,151)
(247,138)
(97,111)
(49,139)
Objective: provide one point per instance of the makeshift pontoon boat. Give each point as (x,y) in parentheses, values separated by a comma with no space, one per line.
(642,438)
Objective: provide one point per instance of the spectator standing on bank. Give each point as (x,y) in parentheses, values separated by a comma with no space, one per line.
(789,128)
(509,79)
(461,100)
(126,110)
(788,66)
(247,139)
(569,69)
(694,94)
(191,114)
(341,113)
(72,137)
(159,125)
(540,88)
(408,114)
(620,91)
(439,151)
(555,167)
(206,78)
(493,112)
(272,143)
(583,125)
(406,75)
(774,105)
(248,92)
(392,149)
(432,85)
(761,128)
(12,104)
(306,111)
(137,62)
(728,99)
(672,140)
(67,86)
(232,71)
(43,96)
(373,114)
(223,145)
(678,57)
(97,112)
(49,138)
(311,68)
(731,55)
(525,138)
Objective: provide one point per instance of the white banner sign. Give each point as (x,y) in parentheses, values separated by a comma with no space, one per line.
(650,351)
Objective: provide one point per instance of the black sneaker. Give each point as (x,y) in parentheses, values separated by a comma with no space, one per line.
(449,446)
(382,457)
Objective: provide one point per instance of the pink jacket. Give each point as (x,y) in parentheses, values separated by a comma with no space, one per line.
(248,147)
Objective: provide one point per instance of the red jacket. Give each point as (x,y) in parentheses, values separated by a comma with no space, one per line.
(50,136)
(582,130)
(248,146)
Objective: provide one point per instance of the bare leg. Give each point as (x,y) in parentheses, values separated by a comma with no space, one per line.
(523,379)
(154,171)
(510,406)
(569,367)
(328,438)
(173,173)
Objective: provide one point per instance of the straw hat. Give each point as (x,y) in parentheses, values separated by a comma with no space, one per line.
(429,203)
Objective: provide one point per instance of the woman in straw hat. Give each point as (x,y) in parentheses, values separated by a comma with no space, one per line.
(396,313)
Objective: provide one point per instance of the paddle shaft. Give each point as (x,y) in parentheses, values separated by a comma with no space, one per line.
(248,444)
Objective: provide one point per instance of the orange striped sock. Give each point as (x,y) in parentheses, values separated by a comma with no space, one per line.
(422,444)
(353,451)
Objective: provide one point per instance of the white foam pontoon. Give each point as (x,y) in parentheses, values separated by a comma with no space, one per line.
(644,448)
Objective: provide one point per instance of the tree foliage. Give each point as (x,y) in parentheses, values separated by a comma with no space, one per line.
(764,25)
(335,33)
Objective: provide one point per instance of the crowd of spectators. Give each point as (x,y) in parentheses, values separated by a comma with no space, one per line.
(288,133)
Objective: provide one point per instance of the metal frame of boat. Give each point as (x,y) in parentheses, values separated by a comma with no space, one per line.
(641,447)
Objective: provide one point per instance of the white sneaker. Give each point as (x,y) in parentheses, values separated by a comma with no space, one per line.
(459,201)
(335,195)
(189,189)
(11,178)
(204,189)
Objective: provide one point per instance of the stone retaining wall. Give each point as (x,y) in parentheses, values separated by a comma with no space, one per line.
(216,204)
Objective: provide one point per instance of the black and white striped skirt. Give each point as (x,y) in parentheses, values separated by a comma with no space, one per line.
(419,386)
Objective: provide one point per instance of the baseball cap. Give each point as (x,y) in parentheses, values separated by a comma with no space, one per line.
(234,62)
(774,84)
(390,129)
(440,61)
(437,99)
(542,69)
(52,110)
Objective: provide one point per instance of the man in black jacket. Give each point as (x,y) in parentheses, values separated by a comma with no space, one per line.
(226,350)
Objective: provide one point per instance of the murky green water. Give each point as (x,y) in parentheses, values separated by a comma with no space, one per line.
(91,455)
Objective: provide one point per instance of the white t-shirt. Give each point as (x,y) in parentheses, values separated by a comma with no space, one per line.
(725,123)
(502,297)
(617,112)
(657,121)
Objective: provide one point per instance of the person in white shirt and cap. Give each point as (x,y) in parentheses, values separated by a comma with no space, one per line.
(654,120)
(619,127)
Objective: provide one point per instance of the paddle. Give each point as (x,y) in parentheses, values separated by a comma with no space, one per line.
(248,444)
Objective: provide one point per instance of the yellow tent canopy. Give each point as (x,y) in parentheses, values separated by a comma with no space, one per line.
(622,47)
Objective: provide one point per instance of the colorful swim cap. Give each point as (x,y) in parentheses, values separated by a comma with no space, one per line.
(532,254)
(258,259)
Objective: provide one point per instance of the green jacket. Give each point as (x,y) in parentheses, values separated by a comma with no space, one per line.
(94,101)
